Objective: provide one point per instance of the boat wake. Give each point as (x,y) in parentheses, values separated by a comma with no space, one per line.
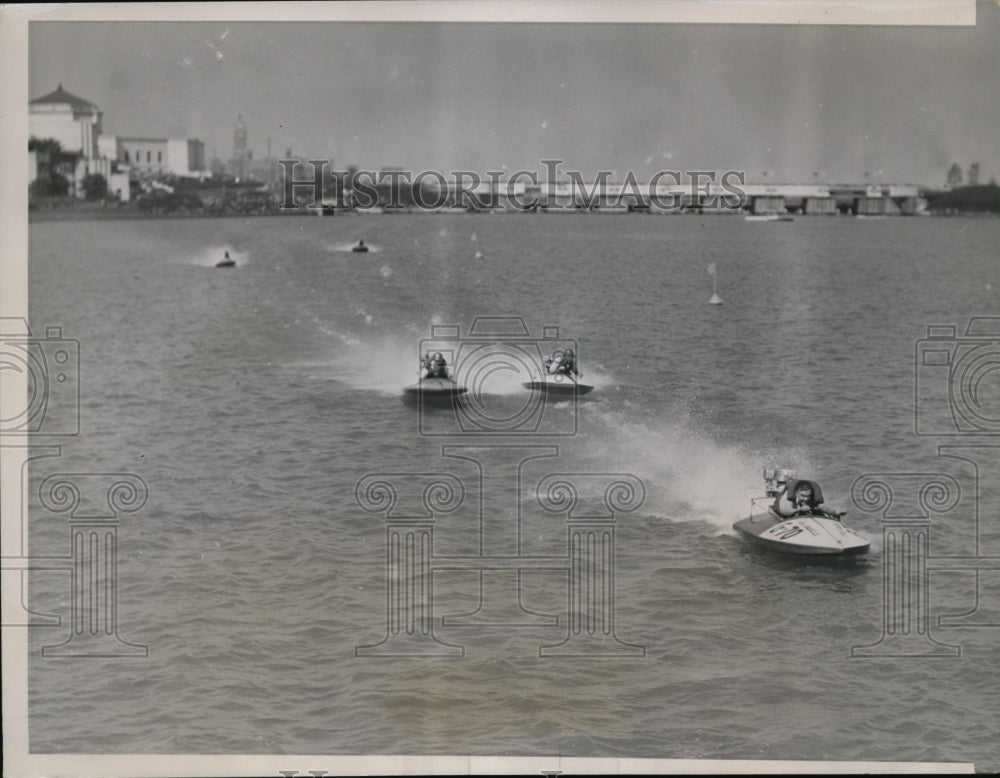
(381,365)
(687,476)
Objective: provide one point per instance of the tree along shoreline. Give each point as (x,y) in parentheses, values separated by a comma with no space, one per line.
(983,200)
(965,200)
(112,212)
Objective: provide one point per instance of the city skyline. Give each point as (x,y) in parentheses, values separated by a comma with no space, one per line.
(783,103)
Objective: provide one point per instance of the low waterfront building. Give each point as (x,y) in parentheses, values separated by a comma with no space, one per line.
(157,156)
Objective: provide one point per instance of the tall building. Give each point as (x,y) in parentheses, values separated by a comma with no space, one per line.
(265,170)
(239,164)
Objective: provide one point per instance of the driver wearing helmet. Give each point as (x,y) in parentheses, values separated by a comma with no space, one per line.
(568,365)
(435,367)
(802,498)
(561,362)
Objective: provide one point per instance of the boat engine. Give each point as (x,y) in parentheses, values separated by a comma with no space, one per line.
(775,480)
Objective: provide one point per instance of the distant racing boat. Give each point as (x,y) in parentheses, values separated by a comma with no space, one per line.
(768,217)
(558,384)
(436,387)
(557,380)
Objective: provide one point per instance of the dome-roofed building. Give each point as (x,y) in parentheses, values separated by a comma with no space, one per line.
(71,120)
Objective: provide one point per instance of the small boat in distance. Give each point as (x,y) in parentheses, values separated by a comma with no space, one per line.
(436,386)
(226,261)
(559,376)
(359,247)
(768,217)
(441,388)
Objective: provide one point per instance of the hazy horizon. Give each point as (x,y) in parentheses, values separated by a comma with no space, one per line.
(782,103)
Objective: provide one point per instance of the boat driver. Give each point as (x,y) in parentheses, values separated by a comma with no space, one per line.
(564,362)
(802,498)
(568,365)
(436,366)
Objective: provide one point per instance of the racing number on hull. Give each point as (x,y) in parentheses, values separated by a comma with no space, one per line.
(789,532)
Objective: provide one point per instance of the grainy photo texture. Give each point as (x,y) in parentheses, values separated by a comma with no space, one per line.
(500,388)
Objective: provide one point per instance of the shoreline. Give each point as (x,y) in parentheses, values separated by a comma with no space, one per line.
(115,213)
(112,213)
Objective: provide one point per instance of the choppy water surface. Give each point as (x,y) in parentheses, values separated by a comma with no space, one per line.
(253,400)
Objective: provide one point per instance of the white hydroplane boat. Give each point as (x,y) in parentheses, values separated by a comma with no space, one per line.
(435,387)
(807,531)
(557,380)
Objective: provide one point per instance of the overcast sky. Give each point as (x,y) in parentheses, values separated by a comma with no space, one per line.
(795,101)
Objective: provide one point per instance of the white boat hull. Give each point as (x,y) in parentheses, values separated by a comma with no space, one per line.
(804,535)
(435,387)
(558,384)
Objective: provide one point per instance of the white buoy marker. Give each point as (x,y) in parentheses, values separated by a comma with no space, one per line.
(715,299)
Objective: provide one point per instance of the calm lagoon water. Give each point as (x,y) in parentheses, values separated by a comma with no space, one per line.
(253,400)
